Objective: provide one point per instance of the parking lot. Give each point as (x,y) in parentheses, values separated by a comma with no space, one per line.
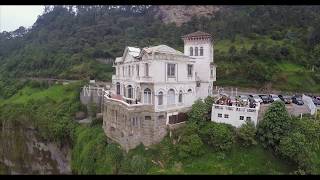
(292,108)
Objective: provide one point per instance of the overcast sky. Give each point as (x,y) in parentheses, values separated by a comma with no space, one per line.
(12,17)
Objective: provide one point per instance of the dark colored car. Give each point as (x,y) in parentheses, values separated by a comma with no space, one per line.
(316,101)
(266,98)
(285,99)
(297,100)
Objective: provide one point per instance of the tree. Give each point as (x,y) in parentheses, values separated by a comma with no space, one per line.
(209,102)
(217,135)
(246,134)
(198,112)
(295,147)
(275,124)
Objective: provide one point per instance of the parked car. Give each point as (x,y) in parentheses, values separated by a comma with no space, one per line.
(256,98)
(297,100)
(275,97)
(286,99)
(316,101)
(266,98)
(243,98)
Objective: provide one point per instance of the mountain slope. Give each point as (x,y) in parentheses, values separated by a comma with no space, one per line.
(250,41)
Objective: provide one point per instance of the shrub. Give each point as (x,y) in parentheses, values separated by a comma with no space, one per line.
(114,155)
(139,164)
(296,148)
(275,124)
(190,145)
(198,112)
(246,134)
(217,135)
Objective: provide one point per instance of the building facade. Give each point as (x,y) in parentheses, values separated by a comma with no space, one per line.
(234,115)
(154,86)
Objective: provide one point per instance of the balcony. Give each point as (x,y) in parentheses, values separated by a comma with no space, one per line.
(128,102)
(144,79)
(132,78)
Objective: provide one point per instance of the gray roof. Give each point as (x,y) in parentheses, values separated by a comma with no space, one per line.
(162,49)
(133,51)
(118,59)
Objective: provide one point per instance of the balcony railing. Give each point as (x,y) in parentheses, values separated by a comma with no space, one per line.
(234,108)
(137,78)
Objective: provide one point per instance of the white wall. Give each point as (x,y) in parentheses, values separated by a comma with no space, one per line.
(307,100)
(234,114)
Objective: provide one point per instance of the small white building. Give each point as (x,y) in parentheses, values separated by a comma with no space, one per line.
(234,115)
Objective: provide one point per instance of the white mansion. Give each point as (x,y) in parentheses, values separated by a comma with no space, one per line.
(153,85)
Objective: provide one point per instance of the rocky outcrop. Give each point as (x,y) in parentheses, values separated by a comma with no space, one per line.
(181,13)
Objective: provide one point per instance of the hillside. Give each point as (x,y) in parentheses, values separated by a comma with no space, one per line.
(255,46)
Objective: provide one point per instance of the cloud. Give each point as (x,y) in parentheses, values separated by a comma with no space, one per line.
(12,17)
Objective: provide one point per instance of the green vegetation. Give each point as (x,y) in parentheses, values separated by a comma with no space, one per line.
(255,46)
(291,138)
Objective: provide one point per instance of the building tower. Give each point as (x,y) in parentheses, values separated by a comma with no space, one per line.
(199,45)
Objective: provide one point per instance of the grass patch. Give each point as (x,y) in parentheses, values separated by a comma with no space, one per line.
(55,92)
(254,160)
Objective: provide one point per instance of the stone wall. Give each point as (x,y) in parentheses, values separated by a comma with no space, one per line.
(92,94)
(131,126)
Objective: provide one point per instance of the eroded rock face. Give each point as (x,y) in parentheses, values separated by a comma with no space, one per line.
(181,13)
(22,152)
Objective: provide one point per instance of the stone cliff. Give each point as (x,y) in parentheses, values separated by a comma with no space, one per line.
(182,13)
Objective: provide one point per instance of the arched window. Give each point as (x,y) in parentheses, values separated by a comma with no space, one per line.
(189,90)
(147,96)
(130,91)
(180,96)
(118,88)
(160,98)
(201,51)
(171,97)
(124,91)
(191,51)
(196,51)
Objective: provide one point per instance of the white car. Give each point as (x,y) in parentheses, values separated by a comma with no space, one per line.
(275,97)
(256,98)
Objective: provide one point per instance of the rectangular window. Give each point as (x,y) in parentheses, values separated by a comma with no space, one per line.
(171,70)
(147,69)
(129,73)
(137,66)
(241,118)
(211,71)
(147,118)
(190,68)
(248,118)
(220,115)
(122,70)
(226,115)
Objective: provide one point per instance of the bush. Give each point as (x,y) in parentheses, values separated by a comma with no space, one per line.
(139,164)
(114,156)
(275,124)
(190,145)
(246,134)
(198,112)
(295,147)
(217,135)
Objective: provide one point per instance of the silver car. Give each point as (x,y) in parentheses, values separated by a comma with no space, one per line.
(275,97)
